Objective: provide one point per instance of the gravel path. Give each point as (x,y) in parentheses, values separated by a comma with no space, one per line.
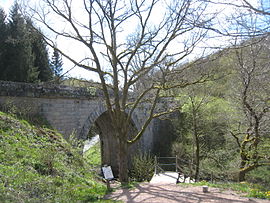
(172,193)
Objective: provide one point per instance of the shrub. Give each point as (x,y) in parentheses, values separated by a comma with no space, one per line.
(259,194)
(260,176)
(143,167)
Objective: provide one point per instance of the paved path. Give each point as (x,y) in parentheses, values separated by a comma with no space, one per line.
(168,178)
(172,193)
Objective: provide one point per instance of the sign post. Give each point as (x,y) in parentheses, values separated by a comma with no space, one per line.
(108,174)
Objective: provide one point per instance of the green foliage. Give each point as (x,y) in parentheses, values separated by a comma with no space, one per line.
(23,53)
(260,176)
(38,165)
(210,114)
(56,63)
(142,167)
(93,156)
(24,111)
(259,194)
(40,52)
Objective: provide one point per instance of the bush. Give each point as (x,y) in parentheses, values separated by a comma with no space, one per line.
(143,166)
(260,176)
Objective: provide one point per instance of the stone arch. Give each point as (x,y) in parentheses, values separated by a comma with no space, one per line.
(90,121)
(108,141)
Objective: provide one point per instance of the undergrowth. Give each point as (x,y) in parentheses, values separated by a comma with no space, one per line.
(93,156)
(38,165)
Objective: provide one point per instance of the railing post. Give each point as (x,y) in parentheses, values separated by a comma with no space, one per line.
(176,164)
(155,164)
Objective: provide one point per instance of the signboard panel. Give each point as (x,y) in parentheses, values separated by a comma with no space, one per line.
(107,172)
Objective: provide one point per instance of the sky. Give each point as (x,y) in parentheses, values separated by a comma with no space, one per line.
(6,4)
(68,66)
(77,52)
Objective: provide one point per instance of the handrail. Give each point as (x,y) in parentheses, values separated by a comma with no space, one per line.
(185,167)
(157,165)
(164,157)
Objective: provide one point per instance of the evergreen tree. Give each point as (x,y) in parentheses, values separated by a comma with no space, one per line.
(19,59)
(3,37)
(56,63)
(2,40)
(41,54)
(23,53)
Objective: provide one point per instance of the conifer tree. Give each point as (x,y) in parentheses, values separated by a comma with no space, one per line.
(23,53)
(40,52)
(56,63)
(19,59)
(3,37)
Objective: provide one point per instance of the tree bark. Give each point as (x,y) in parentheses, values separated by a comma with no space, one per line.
(241,176)
(244,171)
(196,140)
(123,160)
(197,158)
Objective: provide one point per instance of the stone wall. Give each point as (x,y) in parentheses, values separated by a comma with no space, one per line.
(65,108)
(47,90)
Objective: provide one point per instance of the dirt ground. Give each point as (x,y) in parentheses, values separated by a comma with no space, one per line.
(172,193)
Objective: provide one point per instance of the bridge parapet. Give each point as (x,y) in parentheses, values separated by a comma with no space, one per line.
(47,90)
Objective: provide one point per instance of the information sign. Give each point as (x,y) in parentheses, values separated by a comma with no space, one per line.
(107,172)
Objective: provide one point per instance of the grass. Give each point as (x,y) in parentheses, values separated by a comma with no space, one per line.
(38,165)
(251,190)
(93,155)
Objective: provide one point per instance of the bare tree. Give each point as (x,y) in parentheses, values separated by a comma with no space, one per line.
(252,132)
(261,8)
(126,41)
(244,9)
(250,27)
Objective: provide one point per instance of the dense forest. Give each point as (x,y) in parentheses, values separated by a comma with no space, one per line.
(23,52)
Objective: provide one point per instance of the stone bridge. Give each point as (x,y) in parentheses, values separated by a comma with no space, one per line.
(75,110)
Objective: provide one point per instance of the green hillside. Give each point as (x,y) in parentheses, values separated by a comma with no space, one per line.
(38,165)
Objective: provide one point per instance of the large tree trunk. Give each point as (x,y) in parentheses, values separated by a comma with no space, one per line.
(197,158)
(123,160)
(197,143)
(241,176)
(245,170)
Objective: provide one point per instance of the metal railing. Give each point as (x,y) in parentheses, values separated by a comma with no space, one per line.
(158,165)
(180,166)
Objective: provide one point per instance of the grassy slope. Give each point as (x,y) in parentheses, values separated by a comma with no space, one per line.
(93,156)
(38,165)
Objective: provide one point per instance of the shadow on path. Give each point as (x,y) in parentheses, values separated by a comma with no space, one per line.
(171,193)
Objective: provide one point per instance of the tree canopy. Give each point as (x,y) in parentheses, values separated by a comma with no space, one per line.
(23,52)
